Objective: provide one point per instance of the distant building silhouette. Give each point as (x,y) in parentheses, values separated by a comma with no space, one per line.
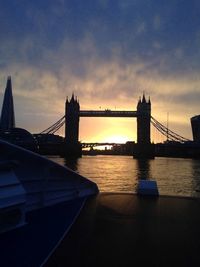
(7,113)
(8,131)
(19,137)
(195,122)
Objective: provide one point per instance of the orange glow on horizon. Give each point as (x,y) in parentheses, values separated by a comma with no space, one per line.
(107,130)
(120,139)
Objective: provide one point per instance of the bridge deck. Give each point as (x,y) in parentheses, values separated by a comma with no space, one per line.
(107,113)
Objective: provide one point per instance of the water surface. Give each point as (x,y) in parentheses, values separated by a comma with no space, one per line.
(175,177)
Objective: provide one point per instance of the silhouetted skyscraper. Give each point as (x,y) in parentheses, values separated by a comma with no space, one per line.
(7,113)
(195,122)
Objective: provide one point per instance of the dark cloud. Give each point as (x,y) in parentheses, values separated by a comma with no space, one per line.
(150,30)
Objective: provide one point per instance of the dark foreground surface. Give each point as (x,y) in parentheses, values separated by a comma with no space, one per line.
(127,230)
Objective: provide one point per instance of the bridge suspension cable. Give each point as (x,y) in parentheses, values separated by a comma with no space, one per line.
(54,127)
(171,136)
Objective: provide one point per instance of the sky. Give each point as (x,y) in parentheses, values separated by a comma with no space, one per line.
(108,52)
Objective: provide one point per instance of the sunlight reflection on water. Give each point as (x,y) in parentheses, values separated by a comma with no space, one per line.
(121,173)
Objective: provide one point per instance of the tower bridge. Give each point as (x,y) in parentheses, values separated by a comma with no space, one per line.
(143,115)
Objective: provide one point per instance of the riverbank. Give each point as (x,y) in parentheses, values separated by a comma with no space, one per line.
(127,230)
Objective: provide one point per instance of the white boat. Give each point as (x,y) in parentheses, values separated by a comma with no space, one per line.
(36,193)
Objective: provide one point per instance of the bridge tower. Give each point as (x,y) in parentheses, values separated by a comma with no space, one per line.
(144,121)
(72,145)
(144,148)
(72,109)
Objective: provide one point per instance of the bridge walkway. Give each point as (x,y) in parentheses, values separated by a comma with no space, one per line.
(107,113)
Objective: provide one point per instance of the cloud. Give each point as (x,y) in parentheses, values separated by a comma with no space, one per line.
(107,52)
(109,84)
(157,22)
(141,28)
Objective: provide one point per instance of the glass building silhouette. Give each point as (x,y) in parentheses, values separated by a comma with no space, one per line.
(195,123)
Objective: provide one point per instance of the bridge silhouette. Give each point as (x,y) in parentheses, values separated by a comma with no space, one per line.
(169,134)
(142,114)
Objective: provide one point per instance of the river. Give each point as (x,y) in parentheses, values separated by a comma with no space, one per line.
(174,176)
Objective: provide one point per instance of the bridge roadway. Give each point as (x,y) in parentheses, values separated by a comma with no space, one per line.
(107,113)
